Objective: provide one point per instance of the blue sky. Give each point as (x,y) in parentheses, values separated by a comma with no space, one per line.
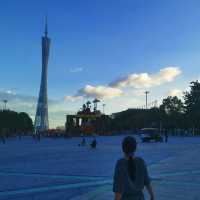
(95,43)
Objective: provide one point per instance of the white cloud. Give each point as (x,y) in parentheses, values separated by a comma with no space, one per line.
(76,69)
(120,86)
(175,92)
(10,92)
(100,92)
(73,98)
(145,80)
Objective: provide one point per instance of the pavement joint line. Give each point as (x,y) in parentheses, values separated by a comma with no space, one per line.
(61,176)
(50,188)
(157,163)
(168,174)
(81,177)
(93,194)
(180,183)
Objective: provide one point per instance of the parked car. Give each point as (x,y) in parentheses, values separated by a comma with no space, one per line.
(150,134)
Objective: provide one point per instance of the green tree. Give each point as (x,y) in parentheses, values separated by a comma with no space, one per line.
(192,104)
(172,105)
(12,122)
(25,122)
(171,112)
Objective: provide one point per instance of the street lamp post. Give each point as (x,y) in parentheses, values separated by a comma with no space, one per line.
(146,93)
(104,108)
(5,102)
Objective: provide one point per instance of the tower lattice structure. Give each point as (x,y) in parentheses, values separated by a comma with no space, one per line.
(41,118)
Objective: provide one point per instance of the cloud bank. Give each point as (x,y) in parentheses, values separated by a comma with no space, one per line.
(145,80)
(134,81)
(100,92)
(73,98)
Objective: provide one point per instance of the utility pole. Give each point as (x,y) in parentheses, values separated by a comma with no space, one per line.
(146,93)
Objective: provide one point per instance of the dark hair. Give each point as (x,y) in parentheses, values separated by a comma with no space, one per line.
(129,145)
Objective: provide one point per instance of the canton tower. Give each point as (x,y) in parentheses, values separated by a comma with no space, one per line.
(41,118)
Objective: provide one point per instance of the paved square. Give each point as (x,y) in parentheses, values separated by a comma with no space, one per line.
(58,169)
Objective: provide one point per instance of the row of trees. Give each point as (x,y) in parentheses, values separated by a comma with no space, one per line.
(172,114)
(12,122)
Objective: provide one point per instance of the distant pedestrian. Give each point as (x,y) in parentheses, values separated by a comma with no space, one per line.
(3,139)
(83,142)
(166,136)
(3,135)
(94,143)
(131,174)
(20,135)
(39,136)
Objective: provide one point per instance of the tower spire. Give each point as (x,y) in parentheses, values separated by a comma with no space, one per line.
(46,27)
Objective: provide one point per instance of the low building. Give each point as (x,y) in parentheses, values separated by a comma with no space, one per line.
(87,122)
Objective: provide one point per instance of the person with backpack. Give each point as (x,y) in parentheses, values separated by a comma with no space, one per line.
(131,175)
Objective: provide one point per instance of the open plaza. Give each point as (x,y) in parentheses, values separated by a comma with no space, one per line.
(58,168)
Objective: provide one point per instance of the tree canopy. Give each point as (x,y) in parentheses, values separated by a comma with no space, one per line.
(12,121)
(192,104)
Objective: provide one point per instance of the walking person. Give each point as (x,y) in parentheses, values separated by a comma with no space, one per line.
(131,174)
(3,139)
(20,135)
(2,135)
(94,143)
(39,136)
(83,142)
(166,136)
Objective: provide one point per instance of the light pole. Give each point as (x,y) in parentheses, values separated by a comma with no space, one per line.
(104,108)
(5,102)
(146,93)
